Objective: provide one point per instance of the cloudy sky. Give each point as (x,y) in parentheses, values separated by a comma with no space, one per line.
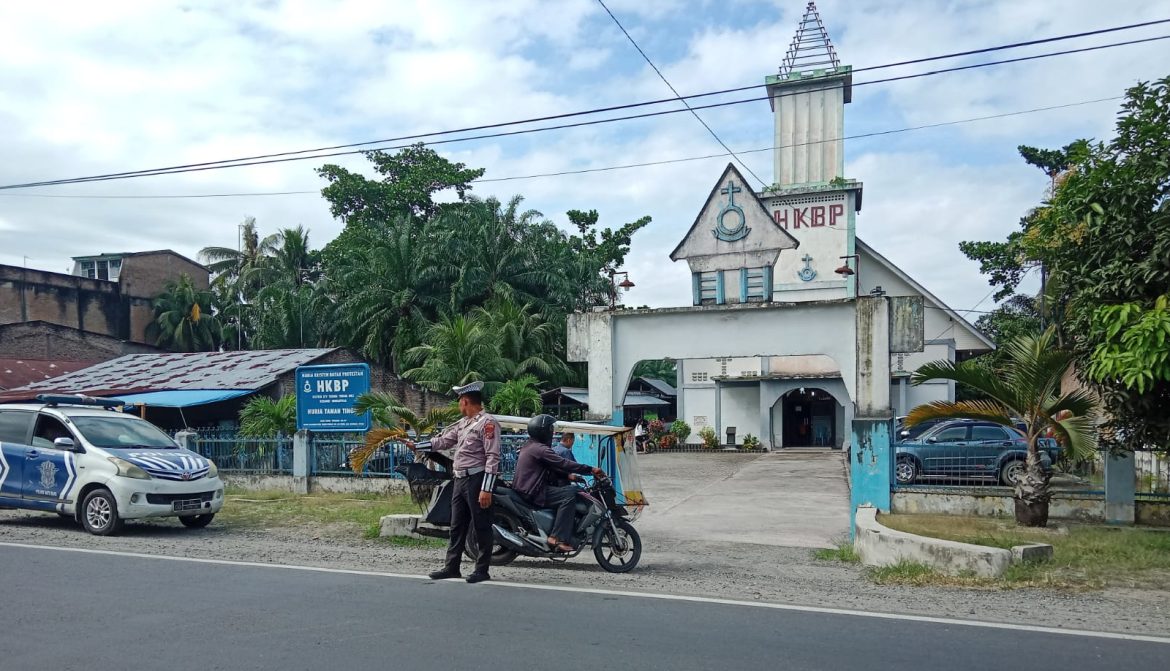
(90,88)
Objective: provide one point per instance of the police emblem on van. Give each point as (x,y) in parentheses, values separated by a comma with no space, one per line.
(48,475)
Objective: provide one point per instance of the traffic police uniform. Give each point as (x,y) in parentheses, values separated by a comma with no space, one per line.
(476,466)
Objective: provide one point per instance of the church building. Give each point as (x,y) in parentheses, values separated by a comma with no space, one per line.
(796,243)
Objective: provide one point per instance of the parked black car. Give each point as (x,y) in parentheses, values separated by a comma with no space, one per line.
(968,449)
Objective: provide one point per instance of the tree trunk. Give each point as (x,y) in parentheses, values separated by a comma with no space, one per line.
(1032,493)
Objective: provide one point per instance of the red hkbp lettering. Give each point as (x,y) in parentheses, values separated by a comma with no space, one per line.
(818,215)
(781,217)
(834,212)
(799,217)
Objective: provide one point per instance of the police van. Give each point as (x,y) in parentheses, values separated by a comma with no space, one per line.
(83,459)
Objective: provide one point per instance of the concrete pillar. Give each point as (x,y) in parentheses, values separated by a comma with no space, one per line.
(1120,487)
(767,393)
(870,455)
(301,448)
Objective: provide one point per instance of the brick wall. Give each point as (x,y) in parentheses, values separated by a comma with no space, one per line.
(145,274)
(78,302)
(381,379)
(43,340)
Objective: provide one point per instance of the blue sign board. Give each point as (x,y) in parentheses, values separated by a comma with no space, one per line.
(326,396)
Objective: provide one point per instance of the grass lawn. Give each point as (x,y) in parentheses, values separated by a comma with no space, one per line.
(1085,556)
(362,512)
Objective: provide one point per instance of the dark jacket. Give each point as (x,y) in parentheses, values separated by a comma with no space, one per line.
(536,463)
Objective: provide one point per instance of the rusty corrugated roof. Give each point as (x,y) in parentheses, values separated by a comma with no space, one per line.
(249,370)
(21,371)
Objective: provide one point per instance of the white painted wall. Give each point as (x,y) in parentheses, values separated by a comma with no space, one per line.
(806,115)
(937,323)
(739,407)
(699,405)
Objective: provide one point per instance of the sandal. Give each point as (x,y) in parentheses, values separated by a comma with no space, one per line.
(560,547)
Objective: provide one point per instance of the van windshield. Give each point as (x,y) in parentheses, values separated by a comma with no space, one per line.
(122,433)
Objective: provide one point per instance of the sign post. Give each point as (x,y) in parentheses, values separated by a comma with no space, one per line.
(326,396)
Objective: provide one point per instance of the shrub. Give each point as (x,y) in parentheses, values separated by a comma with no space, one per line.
(750,442)
(710,440)
(656,429)
(666,441)
(681,431)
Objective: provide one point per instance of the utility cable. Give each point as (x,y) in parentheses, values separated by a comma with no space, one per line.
(249,161)
(603,168)
(679,95)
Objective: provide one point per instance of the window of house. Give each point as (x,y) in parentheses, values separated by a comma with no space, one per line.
(105,269)
(698,377)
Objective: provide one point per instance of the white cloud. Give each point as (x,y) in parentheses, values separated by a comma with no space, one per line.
(92,88)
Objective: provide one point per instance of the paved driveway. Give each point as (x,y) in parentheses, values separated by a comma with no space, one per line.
(793,499)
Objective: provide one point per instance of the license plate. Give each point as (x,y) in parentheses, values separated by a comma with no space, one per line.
(186,505)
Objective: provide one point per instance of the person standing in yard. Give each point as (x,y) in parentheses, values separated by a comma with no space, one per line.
(476,439)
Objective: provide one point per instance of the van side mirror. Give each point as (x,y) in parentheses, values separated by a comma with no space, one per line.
(64,444)
(932,440)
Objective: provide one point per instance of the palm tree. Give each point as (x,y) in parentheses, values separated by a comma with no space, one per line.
(518,397)
(395,421)
(659,369)
(182,319)
(527,340)
(263,417)
(457,350)
(235,280)
(387,286)
(1026,385)
(497,251)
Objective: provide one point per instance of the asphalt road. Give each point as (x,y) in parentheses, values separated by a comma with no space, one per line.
(70,610)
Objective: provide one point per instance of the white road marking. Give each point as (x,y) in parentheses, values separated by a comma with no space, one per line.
(636,595)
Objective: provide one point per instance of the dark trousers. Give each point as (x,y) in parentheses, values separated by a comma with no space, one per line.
(468,517)
(563,500)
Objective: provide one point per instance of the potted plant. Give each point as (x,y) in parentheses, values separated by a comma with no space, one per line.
(750,442)
(680,431)
(710,440)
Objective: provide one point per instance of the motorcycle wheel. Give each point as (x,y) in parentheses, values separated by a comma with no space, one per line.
(610,557)
(501,554)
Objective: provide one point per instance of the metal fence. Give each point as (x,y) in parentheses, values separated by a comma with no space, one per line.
(234,453)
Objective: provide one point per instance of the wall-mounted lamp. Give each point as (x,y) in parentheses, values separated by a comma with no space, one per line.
(625,284)
(845,271)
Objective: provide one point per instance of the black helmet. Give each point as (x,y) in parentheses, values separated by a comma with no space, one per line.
(540,428)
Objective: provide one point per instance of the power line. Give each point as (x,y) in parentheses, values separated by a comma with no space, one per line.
(604,168)
(974,308)
(289,156)
(678,95)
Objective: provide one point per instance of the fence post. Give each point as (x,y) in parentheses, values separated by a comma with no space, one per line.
(301,446)
(186,440)
(1120,486)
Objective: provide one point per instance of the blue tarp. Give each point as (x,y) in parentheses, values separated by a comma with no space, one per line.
(181,398)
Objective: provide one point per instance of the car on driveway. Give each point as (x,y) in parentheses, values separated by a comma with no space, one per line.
(78,457)
(968,450)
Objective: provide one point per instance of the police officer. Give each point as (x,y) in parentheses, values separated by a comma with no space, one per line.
(476,439)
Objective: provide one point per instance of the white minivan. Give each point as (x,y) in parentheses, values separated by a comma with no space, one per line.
(81,458)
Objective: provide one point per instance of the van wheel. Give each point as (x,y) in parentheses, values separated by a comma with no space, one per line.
(197,521)
(99,513)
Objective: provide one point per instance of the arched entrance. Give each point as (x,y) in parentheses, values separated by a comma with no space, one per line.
(810,417)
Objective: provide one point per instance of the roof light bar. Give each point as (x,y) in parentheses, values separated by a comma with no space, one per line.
(78,399)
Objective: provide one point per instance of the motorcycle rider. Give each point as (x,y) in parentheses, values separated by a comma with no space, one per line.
(534,467)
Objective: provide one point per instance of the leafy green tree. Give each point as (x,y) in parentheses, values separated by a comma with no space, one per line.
(517,397)
(183,321)
(411,178)
(658,369)
(1103,237)
(1026,385)
(262,417)
(526,339)
(457,350)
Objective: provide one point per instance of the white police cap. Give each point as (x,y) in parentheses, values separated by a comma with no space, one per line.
(467,388)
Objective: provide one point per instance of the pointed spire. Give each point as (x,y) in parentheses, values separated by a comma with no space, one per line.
(811,48)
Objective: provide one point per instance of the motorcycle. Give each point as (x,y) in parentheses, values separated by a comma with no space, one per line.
(599,521)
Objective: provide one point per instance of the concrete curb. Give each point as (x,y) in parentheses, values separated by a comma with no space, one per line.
(878,545)
(403,526)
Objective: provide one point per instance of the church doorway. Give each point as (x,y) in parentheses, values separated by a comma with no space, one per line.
(809,418)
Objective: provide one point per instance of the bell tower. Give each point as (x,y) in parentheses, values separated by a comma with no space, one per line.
(811,198)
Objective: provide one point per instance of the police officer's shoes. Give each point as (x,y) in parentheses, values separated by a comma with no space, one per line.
(443,574)
(478,577)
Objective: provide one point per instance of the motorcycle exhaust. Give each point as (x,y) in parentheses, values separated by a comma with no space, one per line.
(510,539)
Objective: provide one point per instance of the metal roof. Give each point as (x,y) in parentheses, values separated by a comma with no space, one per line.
(20,371)
(581,396)
(664,387)
(248,370)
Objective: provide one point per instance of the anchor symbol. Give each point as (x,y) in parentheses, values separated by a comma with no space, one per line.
(740,230)
(308,387)
(807,273)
